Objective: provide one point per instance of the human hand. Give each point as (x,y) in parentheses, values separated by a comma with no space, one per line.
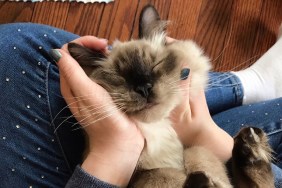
(193,124)
(115,143)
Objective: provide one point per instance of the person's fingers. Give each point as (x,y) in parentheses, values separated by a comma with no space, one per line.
(198,104)
(183,108)
(75,82)
(90,42)
(71,70)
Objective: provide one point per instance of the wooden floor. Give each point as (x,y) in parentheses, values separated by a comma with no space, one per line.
(234,33)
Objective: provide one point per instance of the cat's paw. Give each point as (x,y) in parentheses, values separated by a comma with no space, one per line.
(251,145)
(204,169)
(199,180)
(158,178)
(251,159)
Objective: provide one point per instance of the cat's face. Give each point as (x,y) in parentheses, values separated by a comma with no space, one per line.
(142,76)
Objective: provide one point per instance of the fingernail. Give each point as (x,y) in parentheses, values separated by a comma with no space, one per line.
(110,47)
(184,74)
(103,40)
(55,54)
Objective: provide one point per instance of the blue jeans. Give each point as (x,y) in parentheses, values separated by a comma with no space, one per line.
(33,154)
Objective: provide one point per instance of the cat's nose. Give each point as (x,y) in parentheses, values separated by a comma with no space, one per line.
(144,90)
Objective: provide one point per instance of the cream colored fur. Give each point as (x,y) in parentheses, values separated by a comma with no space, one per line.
(163,148)
(201,159)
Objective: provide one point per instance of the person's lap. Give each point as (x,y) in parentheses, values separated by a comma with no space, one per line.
(33,154)
(265,115)
(224,98)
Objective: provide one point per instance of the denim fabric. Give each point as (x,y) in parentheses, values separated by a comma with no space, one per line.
(33,154)
(224,98)
(265,115)
(224,91)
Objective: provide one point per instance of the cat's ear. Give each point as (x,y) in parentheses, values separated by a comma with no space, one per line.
(85,56)
(150,23)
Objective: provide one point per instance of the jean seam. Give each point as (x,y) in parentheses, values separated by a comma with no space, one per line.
(239,90)
(51,117)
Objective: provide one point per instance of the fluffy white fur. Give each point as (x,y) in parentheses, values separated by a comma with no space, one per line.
(163,148)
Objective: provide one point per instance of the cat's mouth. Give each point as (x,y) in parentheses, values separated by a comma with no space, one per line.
(150,105)
(145,107)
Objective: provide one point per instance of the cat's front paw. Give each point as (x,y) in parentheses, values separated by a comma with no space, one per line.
(199,179)
(251,145)
(251,159)
(204,169)
(158,178)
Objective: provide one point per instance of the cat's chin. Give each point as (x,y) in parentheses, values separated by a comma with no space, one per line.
(151,113)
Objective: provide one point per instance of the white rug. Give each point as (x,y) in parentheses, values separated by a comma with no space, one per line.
(84,1)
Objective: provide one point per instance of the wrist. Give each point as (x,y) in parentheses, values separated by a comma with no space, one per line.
(216,140)
(114,167)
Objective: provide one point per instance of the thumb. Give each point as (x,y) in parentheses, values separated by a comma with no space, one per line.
(184,106)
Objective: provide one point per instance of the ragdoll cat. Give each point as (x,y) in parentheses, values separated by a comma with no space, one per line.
(145,73)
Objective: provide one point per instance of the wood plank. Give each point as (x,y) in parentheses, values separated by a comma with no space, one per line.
(212,27)
(238,51)
(84,19)
(11,12)
(51,13)
(107,20)
(269,22)
(184,17)
(117,20)
(231,32)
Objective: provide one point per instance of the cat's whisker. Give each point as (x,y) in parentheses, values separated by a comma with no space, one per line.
(77,97)
(174,81)
(209,86)
(86,108)
(99,119)
(179,90)
(246,63)
(223,74)
(67,106)
(238,65)
(92,114)
(224,48)
(216,82)
(116,93)
(180,86)
(81,98)
(105,110)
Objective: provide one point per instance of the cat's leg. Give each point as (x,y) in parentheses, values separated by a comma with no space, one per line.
(204,169)
(251,159)
(159,178)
